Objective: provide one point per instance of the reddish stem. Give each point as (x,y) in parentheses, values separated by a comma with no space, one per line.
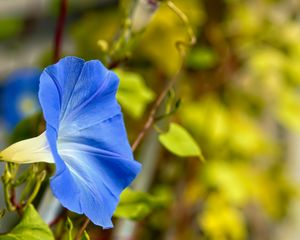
(82,229)
(151,117)
(60,29)
(15,203)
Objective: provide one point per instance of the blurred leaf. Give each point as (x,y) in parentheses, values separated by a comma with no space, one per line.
(208,118)
(220,220)
(27,128)
(125,6)
(133,94)
(221,126)
(10,27)
(158,41)
(292,70)
(201,58)
(69,226)
(179,142)
(265,60)
(54,7)
(31,227)
(137,205)
(231,180)
(288,108)
(245,136)
(85,236)
(245,19)
(90,28)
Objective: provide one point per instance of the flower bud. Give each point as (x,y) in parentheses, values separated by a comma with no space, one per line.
(142,14)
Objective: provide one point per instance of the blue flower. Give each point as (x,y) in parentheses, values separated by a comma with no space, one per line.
(85,137)
(19,96)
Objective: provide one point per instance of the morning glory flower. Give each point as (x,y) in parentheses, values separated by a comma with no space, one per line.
(85,137)
(19,96)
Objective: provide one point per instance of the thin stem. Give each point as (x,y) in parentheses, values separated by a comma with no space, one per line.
(185,21)
(9,190)
(38,184)
(82,229)
(9,197)
(152,113)
(60,29)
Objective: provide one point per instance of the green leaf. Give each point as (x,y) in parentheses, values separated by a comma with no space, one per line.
(133,94)
(137,205)
(85,236)
(202,58)
(69,226)
(31,227)
(179,142)
(10,27)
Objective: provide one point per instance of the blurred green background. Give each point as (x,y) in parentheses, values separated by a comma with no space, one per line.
(239,100)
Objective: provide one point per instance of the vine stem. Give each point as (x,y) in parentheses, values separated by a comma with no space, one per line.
(82,229)
(151,117)
(60,29)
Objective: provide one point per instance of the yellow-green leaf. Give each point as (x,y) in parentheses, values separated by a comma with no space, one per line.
(133,94)
(85,236)
(179,142)
(136,205)
(202,58)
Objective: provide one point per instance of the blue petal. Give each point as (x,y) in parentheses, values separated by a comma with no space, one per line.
(64,185)
(87,136)
(56,84)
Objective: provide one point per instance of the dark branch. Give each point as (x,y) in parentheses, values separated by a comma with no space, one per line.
(60,29)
